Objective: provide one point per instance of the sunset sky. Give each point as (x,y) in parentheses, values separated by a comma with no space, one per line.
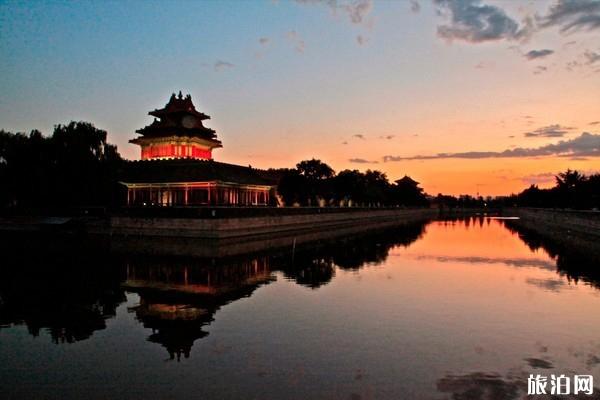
(466,96)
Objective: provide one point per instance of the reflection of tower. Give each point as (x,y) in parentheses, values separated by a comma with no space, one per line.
(175,326)
(176,301)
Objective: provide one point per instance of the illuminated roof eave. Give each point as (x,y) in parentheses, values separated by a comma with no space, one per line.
(213,183)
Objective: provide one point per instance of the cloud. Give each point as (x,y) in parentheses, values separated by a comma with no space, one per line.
(359,136)
(222,65)
(387,137)
(555,130)
(415,6)
(361,40)
(533,54)
(357,11)
(536,179)
(264,41)
(513,262)
(585,60)
(484,65)
(362,161)
(296,40)
(585,145)
(551,285)
(591,57)
(539,69)
(572,15)
(595,123)
(475,22)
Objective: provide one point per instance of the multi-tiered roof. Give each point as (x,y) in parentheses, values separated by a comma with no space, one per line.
(177,124)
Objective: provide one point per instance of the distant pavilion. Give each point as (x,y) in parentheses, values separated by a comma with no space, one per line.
(177,167)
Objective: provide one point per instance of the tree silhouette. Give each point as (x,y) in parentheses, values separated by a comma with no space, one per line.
(315,169)
(75,166)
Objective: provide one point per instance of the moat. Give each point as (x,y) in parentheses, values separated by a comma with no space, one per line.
(455,308)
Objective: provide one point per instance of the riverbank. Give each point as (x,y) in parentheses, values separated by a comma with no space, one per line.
(571,228)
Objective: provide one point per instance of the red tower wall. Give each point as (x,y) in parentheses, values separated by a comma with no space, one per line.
(175,151)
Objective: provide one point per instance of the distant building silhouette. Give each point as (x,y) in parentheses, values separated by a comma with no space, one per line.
(177,167)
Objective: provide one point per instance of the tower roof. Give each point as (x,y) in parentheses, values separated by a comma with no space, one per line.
(178,117)
(179,104)
(407,180)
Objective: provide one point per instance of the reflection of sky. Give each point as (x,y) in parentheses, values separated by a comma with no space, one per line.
(404,328)
(404,89)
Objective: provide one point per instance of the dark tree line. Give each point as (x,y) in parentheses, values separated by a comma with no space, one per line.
(74,167)
(314,183)
(571,190)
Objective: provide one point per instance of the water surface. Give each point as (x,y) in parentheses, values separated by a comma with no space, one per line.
(462,309)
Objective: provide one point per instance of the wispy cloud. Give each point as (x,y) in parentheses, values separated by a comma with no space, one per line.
(534,54)
(572,15)
(595,123)
(513,262)
(222,65)
(484,65)
(552,285)
(539,69)
(296,40)
(555,130)
(586,60)
(415,6)
(591,56)
(359,136)
(264,41)
(356,11)
(585,145)
(475,22)
(541,178)
(362,161)
(387,137)
(361,40)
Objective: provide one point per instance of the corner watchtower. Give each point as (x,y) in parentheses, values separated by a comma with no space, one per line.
(177,132)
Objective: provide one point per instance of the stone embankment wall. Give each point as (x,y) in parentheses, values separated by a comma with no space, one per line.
(574,228)
(221,228)
(229,236)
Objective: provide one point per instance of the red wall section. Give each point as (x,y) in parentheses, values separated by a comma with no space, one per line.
(175,151)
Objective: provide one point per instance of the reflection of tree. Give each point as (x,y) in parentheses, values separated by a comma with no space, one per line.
(71,298)
(309,271)
(178,297)
(570,262)
(355,253)
(314,266)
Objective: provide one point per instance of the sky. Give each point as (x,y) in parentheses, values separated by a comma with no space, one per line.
(464,96)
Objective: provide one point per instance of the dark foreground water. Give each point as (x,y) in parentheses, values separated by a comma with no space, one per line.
(462,309)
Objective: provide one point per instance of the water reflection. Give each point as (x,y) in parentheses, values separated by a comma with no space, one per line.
(71,298)
(68,297)
(568,262)
(178,299)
